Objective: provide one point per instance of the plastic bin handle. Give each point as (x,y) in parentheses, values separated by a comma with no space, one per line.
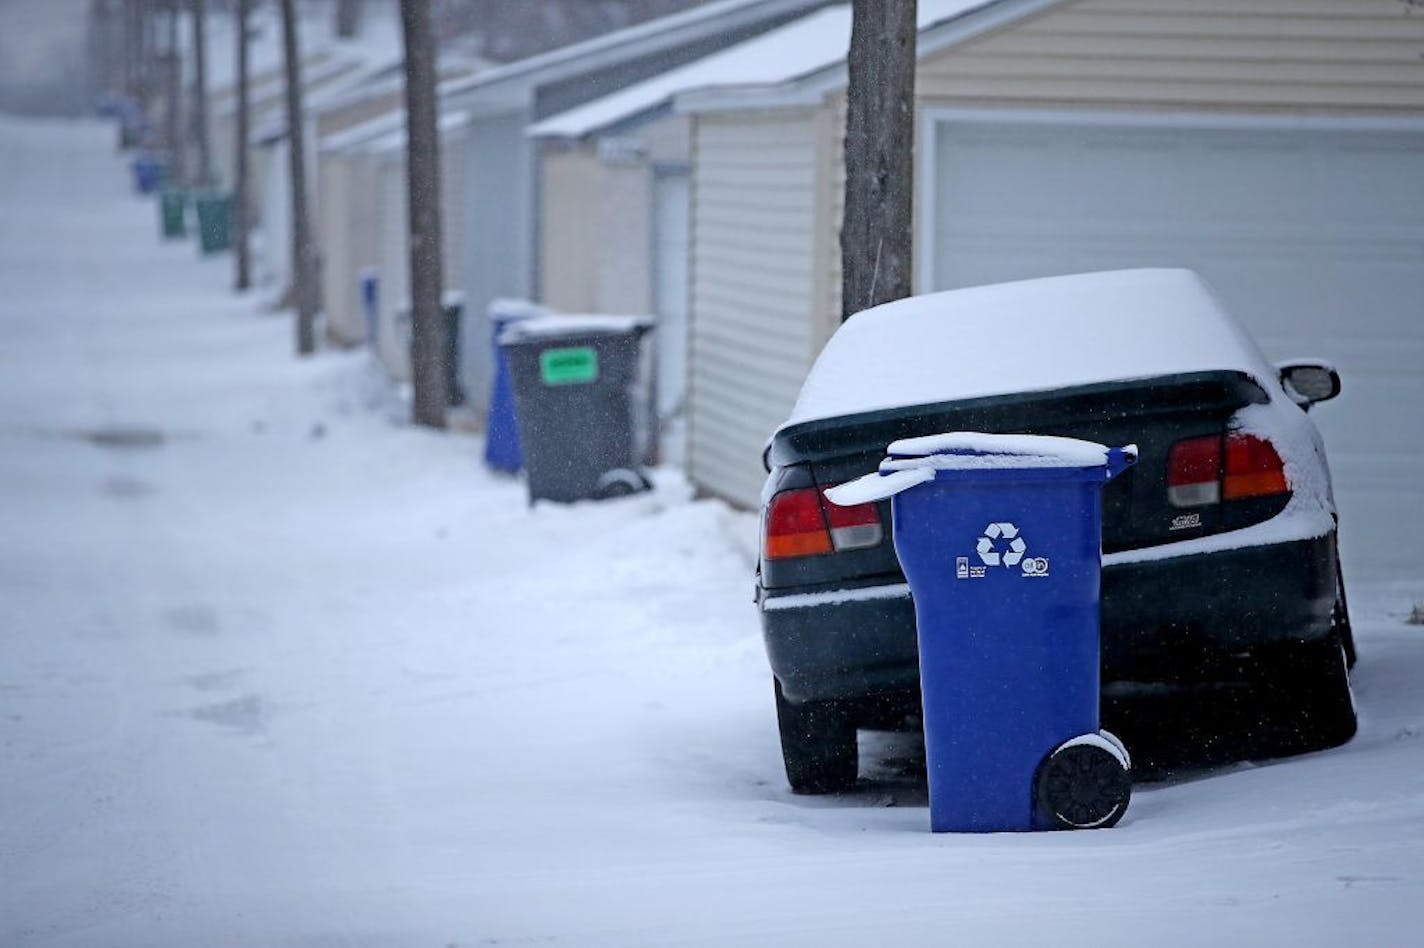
(1120,459)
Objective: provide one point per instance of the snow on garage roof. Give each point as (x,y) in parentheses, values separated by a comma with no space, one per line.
(619,46)
(1034,335)
(800,48)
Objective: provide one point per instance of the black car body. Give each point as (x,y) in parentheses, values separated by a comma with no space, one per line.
(1219,545)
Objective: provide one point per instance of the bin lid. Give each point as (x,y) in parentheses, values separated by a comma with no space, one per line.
(511,308)
(555,326)
(913,461)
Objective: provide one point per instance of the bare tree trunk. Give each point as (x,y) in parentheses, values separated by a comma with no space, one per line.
(303,248)
(138,40)
(427,340)
(204,174)
(877,233)
(348,18)
(242,259)
(177,144)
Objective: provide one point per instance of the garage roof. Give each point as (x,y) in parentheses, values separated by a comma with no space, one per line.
(511,85)
(800,49)
(942,23)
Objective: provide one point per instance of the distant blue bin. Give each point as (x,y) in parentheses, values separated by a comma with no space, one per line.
(503,451)
(150,173)
(1000,538)
(370,300)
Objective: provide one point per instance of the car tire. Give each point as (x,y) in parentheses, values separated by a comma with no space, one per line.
(818,745)
(1310,685)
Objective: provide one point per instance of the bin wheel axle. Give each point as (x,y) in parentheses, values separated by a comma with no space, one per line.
(1083,786)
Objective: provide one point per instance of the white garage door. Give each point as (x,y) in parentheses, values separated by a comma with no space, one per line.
(1314,238)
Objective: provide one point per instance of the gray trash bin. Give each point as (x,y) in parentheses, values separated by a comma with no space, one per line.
(576,380)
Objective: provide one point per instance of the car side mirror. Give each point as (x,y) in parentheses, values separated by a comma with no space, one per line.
(1309,382)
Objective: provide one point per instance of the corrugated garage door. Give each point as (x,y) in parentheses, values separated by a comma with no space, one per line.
(1313,237)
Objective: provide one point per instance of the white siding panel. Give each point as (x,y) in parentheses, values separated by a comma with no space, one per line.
(754,215)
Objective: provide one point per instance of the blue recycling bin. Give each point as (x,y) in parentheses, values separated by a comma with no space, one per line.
(150,172)
(503,451)
(370,299)
(1000,537)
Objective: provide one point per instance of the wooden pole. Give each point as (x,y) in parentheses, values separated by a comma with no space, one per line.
(877,232)
(204,172)
(303,248)
(242,258)
(428,330)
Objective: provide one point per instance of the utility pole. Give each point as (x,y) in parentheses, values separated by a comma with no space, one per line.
(303,248)
(177,143)
(877,232)
(428,330)
(242,259)
(348,18)
(204,175)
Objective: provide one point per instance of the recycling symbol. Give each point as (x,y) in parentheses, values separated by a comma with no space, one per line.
(1010,553)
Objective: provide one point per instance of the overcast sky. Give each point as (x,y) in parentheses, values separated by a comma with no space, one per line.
(42,55)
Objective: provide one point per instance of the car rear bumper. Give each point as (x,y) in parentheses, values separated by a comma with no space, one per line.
(1176,618)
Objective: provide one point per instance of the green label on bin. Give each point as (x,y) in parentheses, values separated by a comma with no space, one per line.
(577,365)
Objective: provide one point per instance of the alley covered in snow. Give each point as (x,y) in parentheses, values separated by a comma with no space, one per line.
(277,669)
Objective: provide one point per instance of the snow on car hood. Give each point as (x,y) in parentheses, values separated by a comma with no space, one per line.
(1033,335)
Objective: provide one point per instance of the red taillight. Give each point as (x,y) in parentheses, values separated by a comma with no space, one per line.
(1194,472)
(795,525)
(1253,469)
(802,522)
(1197,474)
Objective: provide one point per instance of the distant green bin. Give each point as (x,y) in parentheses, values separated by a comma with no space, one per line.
(214,221)
(173,213)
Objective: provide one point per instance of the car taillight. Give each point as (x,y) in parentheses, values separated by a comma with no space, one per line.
(802,522)
(1197,473)
(853,528)
(1253,469)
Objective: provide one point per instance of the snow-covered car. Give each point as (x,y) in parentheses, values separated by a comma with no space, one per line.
(1219,546)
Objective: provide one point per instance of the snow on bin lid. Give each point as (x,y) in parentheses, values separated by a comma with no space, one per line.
(539,327)
(973,450)
(915,460)
(508,307)
(1034,335)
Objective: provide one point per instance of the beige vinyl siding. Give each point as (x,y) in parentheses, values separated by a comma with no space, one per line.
(569,230)
(340,299)
(623,252)
(756,185)
(1274,55)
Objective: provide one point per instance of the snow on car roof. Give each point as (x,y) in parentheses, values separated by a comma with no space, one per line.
(1032,335)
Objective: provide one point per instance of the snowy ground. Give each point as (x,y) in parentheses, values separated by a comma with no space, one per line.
(277,670)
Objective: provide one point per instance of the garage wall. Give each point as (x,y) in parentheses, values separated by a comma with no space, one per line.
(1339,57)
(569,233)
(1315,55)
(339,299)
(393,333)
(1248,56)
(755,269)
(499,228)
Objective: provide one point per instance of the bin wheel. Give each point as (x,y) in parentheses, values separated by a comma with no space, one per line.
(1082,786)
(620,483)
(818,745)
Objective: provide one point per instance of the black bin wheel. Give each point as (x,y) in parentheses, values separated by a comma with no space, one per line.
(1082,786)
